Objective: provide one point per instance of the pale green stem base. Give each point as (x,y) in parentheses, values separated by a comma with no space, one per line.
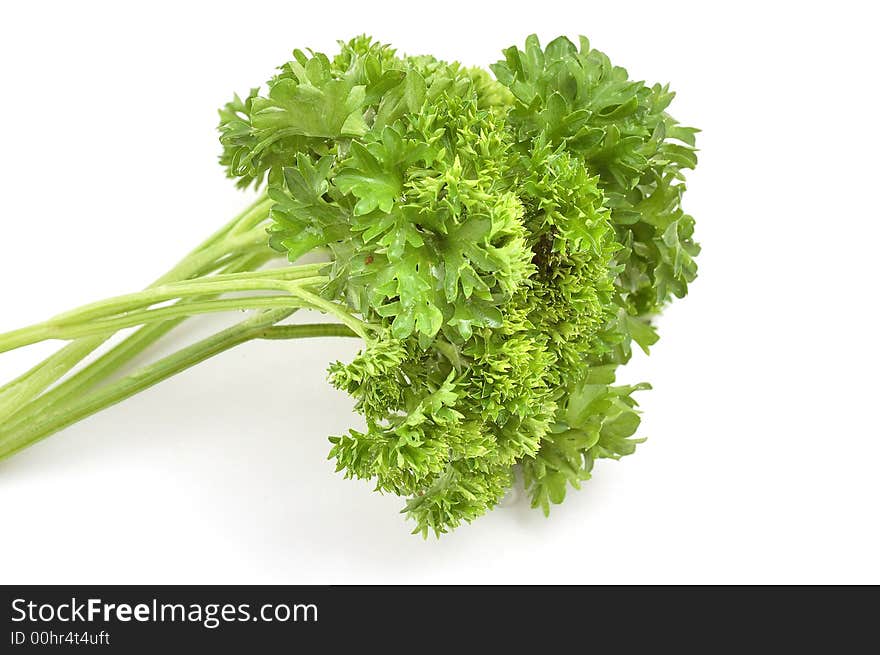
(31,408)
(215,252)
(261,326)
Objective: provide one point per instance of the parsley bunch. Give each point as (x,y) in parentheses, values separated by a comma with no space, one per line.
(497,242)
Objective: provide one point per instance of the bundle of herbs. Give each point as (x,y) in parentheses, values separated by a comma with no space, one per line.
(497,243)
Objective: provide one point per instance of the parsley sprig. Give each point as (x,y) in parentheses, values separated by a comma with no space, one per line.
(497,242)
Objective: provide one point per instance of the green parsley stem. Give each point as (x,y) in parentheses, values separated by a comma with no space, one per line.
(113,359)
(22,434)
(79,322)
(215,252)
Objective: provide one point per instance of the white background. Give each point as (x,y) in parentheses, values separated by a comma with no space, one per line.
(763,452)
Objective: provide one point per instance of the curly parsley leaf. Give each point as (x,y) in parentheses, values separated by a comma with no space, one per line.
(507,240)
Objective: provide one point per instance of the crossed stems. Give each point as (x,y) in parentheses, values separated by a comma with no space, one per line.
(31,408)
